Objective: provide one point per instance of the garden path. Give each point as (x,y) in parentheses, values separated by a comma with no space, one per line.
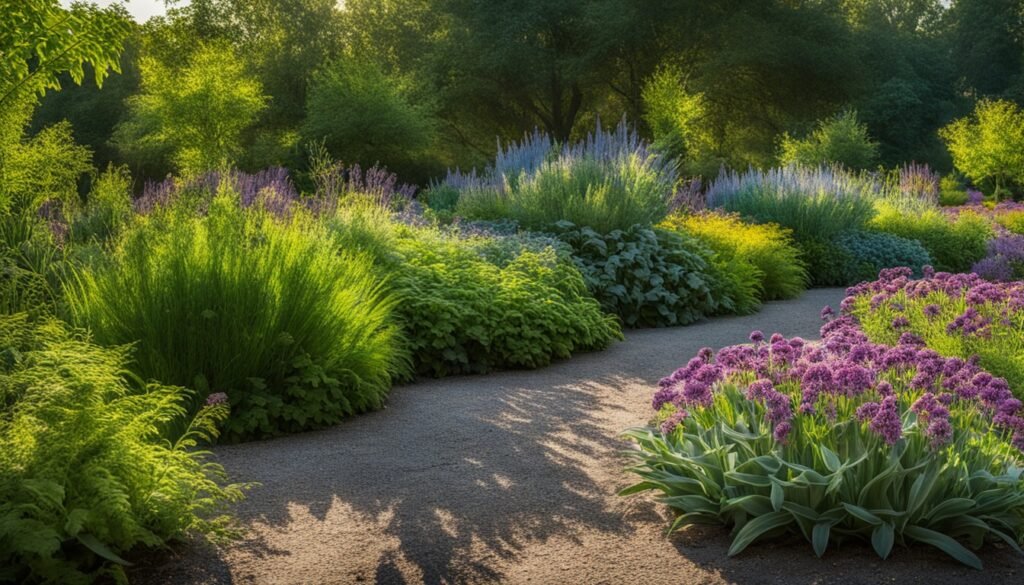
(512,477)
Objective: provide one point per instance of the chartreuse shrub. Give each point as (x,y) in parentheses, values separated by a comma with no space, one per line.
(866,253)
(768,247)
(838,441)
(957,315)
(652,277)
(954,245)
(241,302)
(85,476)
(476,303)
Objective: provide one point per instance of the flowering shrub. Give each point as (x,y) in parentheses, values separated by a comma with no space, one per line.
(608,181)
(839,440)
(768,247)
(958,315)
(85,476)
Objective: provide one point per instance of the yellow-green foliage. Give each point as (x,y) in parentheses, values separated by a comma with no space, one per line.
(953,245)
(85,476)
(768,247)
(238,301)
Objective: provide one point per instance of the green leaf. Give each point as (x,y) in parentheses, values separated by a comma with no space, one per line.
(862,514)
(758,527)
(830,458)
(778,496)
(945,544)
(882,538)
(93,544)
(950,508)
(819,540)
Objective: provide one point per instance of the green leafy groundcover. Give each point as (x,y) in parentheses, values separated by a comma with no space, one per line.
(843,440)
(85,476)
(648,277)
(472,301)
(469,306)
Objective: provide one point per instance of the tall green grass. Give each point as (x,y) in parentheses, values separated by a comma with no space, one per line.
(238,301)
(817,204)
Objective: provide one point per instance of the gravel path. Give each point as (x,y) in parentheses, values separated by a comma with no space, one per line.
(512,477)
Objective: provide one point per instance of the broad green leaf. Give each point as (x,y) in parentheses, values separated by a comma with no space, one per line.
(945,544)
(830,458)
(820,536)
(862,514)
(882,539)
(778,497)
(93,544)
(758,527)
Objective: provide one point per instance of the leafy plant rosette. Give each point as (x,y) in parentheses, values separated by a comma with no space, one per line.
(839,440)
(957,315)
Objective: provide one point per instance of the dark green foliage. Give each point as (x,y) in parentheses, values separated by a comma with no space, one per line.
(867,253)
(826,262)
(85,476)
(648,277)
(239,302)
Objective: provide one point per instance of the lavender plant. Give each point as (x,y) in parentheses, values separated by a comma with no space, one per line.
(609,180)
(839,440)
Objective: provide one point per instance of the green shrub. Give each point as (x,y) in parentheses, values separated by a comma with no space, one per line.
(837,441)
(827,263)
(954,245)
(85,476)
(837,140)
(988,145)
(867,253)
(952,192)
(108,207)
(240,302)
(768,247)
(364,115)
(648,277)
(473,304)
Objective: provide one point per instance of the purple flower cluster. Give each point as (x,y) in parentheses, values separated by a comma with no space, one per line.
(1005,260)
(846,370)
(270,188)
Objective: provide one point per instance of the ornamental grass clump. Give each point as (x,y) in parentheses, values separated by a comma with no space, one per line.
(239,301)
(957,315)
(839,440)
(817,204)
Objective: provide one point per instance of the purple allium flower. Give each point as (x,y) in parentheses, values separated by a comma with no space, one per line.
(664,395)
(673,421)
(756,336)
(886,422)
(932,310)
(705,354)
(781,432)
(216,398)
(827,313)
(697,393)
(900,322)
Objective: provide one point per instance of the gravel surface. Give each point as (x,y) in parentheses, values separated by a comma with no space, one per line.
(511,477)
